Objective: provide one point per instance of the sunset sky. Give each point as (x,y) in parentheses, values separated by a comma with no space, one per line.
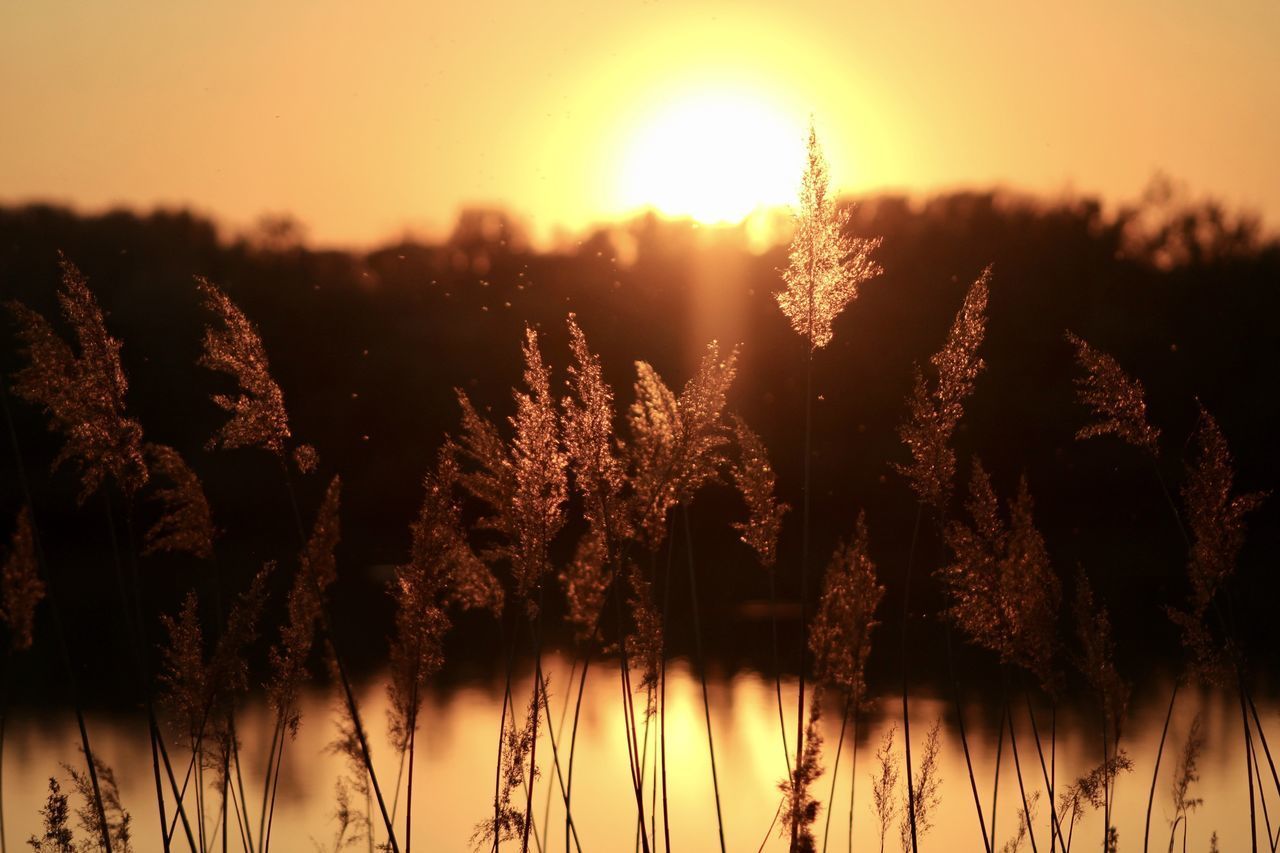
(364,120)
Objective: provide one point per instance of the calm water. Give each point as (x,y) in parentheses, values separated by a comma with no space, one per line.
(454,775)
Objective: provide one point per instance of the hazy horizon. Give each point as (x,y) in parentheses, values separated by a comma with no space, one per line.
(368,124)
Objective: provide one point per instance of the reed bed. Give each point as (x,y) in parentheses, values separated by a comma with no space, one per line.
(504,498)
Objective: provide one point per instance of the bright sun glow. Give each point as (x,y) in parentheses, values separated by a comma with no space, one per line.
(714,156)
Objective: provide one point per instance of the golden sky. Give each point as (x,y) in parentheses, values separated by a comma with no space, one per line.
(364,119)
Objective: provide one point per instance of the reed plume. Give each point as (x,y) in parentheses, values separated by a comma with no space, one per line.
(586,584)
(442,570)
(884,785)
(1186,774)
(81,388)
(1026,819)
(936,411)
(354,825)
(198,687)
(1096,658)
(826,266)
(526,485)
(185,524)
(184,680)
(56,821)
(258,416)
(1216,518)
(1093,790)
(1117,400)
(840,637)
(599,476)
(21,589)
(508,822)
(646,642)
(678,444)
(1004,594)
(591,445)
(118,822)
(756,482)
(801,808)
(926,791)
(317,570)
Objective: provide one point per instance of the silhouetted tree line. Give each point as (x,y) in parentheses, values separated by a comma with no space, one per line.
(369,348)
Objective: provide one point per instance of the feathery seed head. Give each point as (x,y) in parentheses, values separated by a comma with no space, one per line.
(801,809)
(185,523)
(20,586)
(826,266)
(306,459)
(935,412)
(1004,593)
(755,480)
(1216,518)
(1096,660)
(258,416)
(317,570)
(1117,400)
(677,444)
(585,582)
(81,389)
(840,636)
(590,442)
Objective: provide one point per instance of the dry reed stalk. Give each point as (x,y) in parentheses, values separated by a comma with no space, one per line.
(826,268)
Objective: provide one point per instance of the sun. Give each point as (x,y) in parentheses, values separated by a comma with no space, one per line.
(715,156)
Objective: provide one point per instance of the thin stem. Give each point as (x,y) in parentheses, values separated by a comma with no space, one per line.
(662,698)
(502,732)
(1055,831)
(906,717)
(267,797)
(408,798)
(573,743)
(558,733)
(4,717)
(63,651)
(835,774)
(804,550)
(702,672)
(964,742)
(853,776)
(138,669)
(1017,766)
(1253,709)
(533,747)
(777,665)
(1248,761)
(1155,771)
(995,785)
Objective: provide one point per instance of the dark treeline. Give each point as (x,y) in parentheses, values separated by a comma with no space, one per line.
(369,347)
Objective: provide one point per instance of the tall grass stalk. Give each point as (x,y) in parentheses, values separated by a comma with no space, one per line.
(853,780)
(964,742)
(1248,764)
(995,784)
(702,671)
(777,664)
(1017,767)
(142,681)
(64,654)
(835,770)
(906,716)
(1155,771)
(662,699)
(804,548)
(1055,830)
